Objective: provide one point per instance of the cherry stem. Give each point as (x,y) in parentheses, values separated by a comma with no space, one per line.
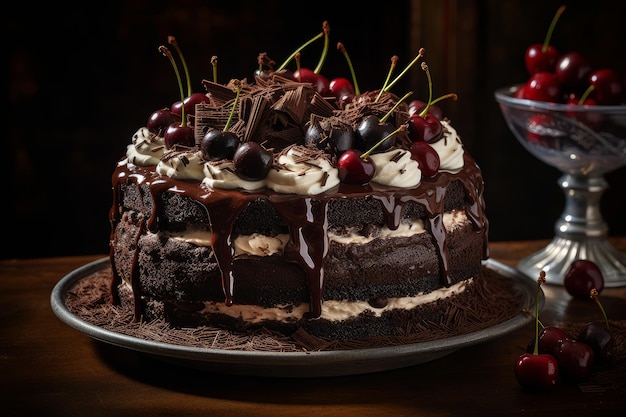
(453,96)
(526,311)
(326,32)
(343,50)
(394,62)
(298,66)
(402,128)
(391,84)
(586,94)
(395,106)
(430,90)
(166,53)
(540,280)
(214,65)
(310,41)
(172,41)
(594,295)
(232,110)
(556,17)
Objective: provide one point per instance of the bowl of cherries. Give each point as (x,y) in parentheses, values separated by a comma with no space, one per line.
(571,116)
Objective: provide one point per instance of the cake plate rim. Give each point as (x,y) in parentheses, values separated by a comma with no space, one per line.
(295,364)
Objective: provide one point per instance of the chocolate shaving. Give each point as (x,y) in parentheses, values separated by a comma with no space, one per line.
(488,301)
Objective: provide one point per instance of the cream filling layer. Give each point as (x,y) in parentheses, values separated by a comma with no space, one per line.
(332,310)
(260,245)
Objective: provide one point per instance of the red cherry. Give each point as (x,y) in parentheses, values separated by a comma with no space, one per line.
(609,86)
(340,87)
(320,83)
(416,106)
(537,372)
(539,131)
(353,169)
(581,277)
(572,70)
(176,134)
(543,86)
(592,119)
(542,57)
(427,128)
(427,158)
(540,60)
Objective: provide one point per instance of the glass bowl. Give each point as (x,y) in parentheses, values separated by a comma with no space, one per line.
(584,143)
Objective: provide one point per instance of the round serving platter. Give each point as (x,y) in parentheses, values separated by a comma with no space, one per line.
(295,364)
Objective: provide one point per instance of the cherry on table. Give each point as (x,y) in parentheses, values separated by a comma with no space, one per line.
(575,359)
(537,372)
(581,277)
(550,337)
(598,336)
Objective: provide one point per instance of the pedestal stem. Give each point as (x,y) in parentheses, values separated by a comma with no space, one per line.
(580,233)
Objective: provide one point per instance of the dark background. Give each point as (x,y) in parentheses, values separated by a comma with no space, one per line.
(81,81)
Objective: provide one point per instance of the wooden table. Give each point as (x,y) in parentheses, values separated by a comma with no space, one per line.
(48,368)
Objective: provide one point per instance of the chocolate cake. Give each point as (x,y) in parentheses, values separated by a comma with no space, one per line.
(199,238)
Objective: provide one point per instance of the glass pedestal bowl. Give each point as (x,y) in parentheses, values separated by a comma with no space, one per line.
(584,143)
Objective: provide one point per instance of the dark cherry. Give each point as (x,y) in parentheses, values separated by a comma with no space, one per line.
(572,70)
(252,161)
(609,86)
(537,372)
(160,120)
(190,104)
(550,337)
(353,169)
(191,101)
(581,277)
(176,134)
(218,144)
(330,135)
(416,107)
(597,335)
(543,86)
(427,128)
(306,75)
(427,158)
(575,359)
(370,131)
